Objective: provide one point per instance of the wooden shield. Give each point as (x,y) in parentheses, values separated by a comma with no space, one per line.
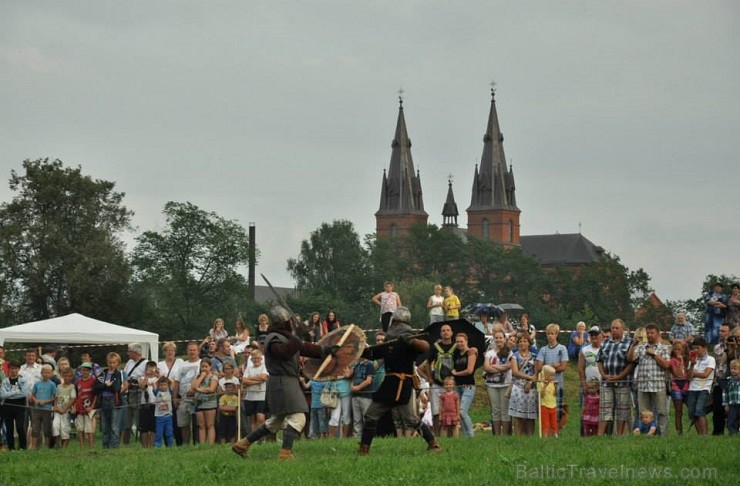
(351,342)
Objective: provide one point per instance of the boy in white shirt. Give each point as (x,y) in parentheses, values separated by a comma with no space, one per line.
(701,374)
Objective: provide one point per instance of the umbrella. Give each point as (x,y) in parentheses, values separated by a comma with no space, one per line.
(351,342)
(491,310)
(476,339)
(512,309)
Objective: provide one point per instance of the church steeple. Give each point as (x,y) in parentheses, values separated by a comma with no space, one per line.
(493,212)
(449,210)
(401,202)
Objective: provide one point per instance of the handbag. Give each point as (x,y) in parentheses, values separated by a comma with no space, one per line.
(330,396)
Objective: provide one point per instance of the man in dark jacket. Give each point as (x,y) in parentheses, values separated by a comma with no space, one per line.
(397,388)
(284,396)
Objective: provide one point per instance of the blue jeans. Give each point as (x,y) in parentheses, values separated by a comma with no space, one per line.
(467,393)
(318,422)
(111,422)
(164,430)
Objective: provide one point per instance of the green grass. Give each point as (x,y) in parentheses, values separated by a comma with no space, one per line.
(481,460)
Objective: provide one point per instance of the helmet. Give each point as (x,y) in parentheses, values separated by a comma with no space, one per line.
(402,314)
(279,315)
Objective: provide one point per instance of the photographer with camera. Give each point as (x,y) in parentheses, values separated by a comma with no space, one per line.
(131,399)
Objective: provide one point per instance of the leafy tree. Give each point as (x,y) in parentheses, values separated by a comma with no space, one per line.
(188,272)
(333,261)
(60,245)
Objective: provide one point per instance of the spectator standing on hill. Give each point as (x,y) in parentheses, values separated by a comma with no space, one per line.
(653,359)
(451,304)
(615,396)
(682,330)
(435,305)
(716,308)
(388,301)
(733,307)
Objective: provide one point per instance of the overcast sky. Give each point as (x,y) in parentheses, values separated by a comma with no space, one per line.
(623,116)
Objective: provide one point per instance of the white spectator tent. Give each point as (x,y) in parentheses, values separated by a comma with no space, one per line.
(78,329)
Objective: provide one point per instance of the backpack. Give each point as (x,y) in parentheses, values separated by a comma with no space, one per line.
(443,364)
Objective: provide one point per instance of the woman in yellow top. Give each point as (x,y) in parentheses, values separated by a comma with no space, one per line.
(451,304)
(548,389)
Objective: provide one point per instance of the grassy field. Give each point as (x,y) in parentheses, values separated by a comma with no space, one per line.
(481,460)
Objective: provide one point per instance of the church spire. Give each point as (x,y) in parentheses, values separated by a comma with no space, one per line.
(494,183)
(449,210)
(401,201)
(493,213)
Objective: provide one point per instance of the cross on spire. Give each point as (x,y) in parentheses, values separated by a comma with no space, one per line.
(400,96)
(493,87)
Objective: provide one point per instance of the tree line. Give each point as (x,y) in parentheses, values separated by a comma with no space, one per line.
(62,251)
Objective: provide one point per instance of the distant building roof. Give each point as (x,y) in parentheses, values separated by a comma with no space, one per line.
(568,249)
(262,293)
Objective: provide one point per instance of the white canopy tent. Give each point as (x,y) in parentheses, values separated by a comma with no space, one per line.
(79,329)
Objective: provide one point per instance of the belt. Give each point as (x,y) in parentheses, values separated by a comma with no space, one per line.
(401,378)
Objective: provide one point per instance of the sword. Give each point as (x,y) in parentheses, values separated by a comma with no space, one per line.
(298,327)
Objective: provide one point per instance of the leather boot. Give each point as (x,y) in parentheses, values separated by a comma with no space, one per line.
(364,450)
(347,431)
(285,454)
(434,446)
(241,447)
(332,432)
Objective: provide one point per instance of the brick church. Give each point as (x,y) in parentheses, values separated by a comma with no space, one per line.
(492,213)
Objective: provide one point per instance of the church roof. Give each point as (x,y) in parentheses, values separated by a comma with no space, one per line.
(567,249)
(400,191)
